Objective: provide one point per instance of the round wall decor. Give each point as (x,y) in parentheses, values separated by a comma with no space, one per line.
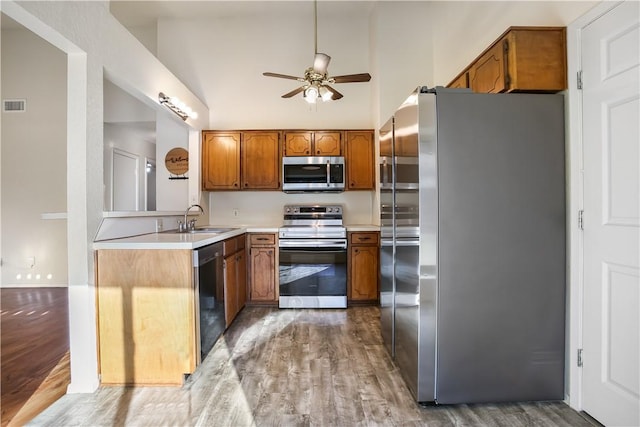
(177,161)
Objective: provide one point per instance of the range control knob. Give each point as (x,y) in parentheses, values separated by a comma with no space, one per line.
(329,209)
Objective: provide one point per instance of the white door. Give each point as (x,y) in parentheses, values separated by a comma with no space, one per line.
(611,332)
(124,181)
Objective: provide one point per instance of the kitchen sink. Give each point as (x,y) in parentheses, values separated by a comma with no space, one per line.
(208,230)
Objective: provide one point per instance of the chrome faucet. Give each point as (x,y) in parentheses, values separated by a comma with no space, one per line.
(186,226)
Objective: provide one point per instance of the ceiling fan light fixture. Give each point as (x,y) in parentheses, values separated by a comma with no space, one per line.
(311,94)
(325,94)
(316,80)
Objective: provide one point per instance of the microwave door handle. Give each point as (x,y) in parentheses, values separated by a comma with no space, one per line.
(328,173)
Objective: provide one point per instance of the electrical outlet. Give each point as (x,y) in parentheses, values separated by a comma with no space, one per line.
(236,212)
(31,262)
(158,225)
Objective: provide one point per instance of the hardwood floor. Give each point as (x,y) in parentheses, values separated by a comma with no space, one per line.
(34,349)
(294,368)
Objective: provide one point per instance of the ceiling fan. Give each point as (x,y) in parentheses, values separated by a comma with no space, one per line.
(316,79)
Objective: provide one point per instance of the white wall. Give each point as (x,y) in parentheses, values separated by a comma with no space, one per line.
(264,208)
(94,42)
(223,59)
(403,42)
(172,194)
(34,152)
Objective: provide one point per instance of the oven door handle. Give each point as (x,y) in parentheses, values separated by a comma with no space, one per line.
(310,246)
(314,250)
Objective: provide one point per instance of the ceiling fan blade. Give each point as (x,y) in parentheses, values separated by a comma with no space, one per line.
(321,63)
(335,94)
(351,78)
(293,92)
(283,76)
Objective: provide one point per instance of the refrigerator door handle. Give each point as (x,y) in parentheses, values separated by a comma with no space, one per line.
(408,242)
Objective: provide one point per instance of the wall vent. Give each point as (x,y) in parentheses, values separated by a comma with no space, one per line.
(14,105)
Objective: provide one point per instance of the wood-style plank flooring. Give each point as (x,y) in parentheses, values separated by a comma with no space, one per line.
(34,350)
(294,368)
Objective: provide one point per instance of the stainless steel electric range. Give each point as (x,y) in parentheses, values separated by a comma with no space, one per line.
(313,257)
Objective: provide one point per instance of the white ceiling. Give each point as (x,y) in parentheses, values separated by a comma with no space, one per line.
(143,13)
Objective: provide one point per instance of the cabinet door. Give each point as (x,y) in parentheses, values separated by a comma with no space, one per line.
(359,159)
(146,316)
(220,160)
(230,289)
(298,143)
(327,143)
(460,82)
(263,274)
(537,59)
(261,160)
(487,75)
(241,268)
(363,273)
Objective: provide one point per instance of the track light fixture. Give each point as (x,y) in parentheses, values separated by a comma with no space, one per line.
(177,106)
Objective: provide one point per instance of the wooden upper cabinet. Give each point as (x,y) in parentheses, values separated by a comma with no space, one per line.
(310,143)
(298,143)
(523,59)
(487,75)
(359,159)
(239,160)
(327,143)
(220,160)
(460,82)
(261,160)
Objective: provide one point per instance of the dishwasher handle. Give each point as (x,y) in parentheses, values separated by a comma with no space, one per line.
(206,254)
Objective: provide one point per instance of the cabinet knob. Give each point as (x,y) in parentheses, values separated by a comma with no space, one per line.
(318,152)
(235,184)
(306,152)
(357,251)
(246,184)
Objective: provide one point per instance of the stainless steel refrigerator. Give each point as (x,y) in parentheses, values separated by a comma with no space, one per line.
(472,206)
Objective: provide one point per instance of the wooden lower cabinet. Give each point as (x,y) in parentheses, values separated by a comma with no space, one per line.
(235,277)
(363,266)
(263,268)
(146,316)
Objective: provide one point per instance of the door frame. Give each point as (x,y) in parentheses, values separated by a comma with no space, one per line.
(575,167)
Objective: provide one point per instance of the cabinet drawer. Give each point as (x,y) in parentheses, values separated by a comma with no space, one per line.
(233,245)
(259,239)
(364,238)
(229,246)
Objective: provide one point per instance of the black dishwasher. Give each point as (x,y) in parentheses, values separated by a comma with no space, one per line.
(209,286)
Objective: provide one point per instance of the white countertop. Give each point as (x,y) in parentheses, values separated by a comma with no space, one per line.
(174,240)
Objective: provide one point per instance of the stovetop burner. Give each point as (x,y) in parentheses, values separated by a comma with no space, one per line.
(313,221)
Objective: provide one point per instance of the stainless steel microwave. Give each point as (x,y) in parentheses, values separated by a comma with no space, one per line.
(313,174)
